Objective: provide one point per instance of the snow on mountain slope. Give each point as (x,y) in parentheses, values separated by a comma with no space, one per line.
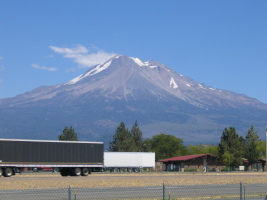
(96,70)
(123,77)
(129,89)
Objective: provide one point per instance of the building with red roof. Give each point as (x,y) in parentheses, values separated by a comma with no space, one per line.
(259,166)
(198,163)
(204,163)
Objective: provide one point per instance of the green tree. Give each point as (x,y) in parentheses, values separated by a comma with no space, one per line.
(261,146)
(167,146)
(212,150)
(122,140)
(252,153)
(227,159)
(147,145)
(137,135)
(68,134)
(202,149)
(231,145)
(195,149)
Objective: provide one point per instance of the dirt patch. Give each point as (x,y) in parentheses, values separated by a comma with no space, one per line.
(52,180)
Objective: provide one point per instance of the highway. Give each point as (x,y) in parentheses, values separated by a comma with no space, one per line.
(222,191)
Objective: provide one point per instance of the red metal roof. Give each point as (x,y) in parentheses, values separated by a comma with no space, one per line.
(185,158)
(260,159)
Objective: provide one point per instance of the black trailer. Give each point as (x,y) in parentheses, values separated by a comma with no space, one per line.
(72,158)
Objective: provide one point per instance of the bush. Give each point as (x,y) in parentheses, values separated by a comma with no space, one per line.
(225,169)
(190,170)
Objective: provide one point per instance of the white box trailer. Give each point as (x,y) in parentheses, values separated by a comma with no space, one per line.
(129,161)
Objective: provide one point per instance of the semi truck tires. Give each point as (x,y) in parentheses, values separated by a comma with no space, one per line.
(8,172)
(35,169)
(64,172)
(85,171)
(77,171)
(1,172)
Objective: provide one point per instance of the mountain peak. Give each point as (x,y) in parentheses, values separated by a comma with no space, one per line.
(121,59)
(123,77)
(129,89)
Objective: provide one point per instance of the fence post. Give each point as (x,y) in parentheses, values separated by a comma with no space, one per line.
(241,185)
(245,190)
(163,191)
(69,193)
(75,194)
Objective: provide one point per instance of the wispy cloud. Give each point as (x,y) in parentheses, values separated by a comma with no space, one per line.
(44,68)
(1,57)
(76,50)
(82,55)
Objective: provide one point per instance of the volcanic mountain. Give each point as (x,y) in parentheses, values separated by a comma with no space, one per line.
(128,89)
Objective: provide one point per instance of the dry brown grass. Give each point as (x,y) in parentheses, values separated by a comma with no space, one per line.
(51,180)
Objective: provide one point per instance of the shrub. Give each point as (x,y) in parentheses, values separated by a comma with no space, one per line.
(190,170)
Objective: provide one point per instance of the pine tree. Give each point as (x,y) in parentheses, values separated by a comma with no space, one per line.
(147,145)
(68,134)
(251,151)
(138,137)
(122,140)
(231,147)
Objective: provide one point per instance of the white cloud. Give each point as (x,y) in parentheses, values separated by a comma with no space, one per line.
(82,56)
(76,50)
(44,68)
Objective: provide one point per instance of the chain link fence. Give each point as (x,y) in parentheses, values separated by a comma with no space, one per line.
(240,191)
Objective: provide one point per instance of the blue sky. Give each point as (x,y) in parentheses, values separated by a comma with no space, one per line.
(220,43)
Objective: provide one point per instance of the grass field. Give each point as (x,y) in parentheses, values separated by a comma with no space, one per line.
(54,180)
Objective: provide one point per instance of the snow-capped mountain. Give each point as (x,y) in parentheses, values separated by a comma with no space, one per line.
(128,89)
(128,78)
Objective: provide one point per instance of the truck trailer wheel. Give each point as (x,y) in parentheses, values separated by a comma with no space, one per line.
(35,169)
(8,172)
(64,172)
(85,171)
(76,171)
(1,172)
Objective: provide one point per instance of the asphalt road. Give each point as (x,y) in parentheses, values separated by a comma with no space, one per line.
(225,191)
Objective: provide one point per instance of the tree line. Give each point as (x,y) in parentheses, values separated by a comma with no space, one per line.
(231,150)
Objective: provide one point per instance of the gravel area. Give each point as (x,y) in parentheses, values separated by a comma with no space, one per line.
(54,180)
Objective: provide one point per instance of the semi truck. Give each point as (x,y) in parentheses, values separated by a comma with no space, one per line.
(72,158)
(129,161)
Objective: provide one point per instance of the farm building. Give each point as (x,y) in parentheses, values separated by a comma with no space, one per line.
(198,163)
(259,166)
(206,162)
